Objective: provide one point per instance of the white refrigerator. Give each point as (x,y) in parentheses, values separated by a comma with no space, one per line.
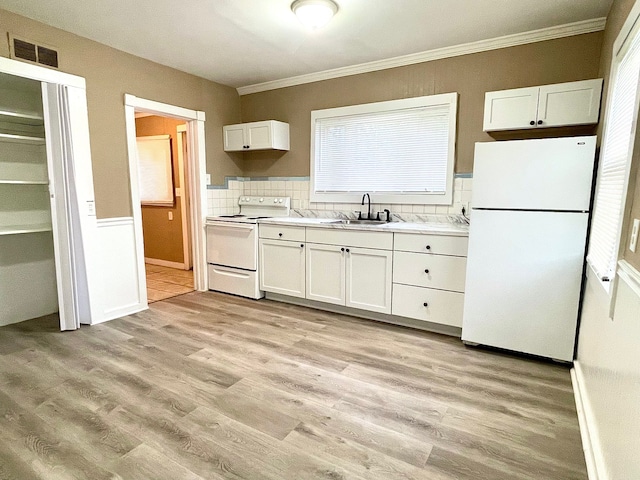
(529,221)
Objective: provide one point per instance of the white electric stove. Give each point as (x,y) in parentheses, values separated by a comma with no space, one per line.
(232,245)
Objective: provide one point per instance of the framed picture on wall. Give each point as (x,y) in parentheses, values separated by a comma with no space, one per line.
(155,170)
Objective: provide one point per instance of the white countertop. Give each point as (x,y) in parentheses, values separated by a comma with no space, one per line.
(432,228)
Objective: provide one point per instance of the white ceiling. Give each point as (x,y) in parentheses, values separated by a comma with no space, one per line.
(244,42)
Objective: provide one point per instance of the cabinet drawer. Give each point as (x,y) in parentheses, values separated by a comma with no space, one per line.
(431,244)
(442,307)
(284,232)
(434,271)
(351,238)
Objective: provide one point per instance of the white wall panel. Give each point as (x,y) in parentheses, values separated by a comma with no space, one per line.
(123,286)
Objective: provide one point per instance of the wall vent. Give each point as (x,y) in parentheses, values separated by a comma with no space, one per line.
(29,51)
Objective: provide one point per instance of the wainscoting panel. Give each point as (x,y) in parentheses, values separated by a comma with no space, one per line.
(606,378)
(122,273)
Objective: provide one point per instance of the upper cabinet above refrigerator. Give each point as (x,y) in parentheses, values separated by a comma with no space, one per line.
(558,105)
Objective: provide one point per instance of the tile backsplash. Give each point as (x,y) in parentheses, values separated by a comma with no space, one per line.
(223,200)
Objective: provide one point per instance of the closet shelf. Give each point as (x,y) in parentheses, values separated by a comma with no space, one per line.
(20,117)
(8,137)
(23,182)
(21,229)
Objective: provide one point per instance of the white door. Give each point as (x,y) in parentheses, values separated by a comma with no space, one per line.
(574,103)
(368,279)
(325,273)
(234,137)
(282,267)
(232,245)
(511,109)
(524,273)
(548,174)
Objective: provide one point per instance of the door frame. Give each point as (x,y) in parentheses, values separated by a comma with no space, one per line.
(185,203)
(196,179)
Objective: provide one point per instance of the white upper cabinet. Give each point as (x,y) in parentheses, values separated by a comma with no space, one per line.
(563,104)
(266,135)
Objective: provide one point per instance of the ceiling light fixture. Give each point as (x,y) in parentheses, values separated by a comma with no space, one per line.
(314,14)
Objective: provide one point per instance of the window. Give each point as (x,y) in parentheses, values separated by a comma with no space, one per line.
(155,177)
(615,160)
(402,151)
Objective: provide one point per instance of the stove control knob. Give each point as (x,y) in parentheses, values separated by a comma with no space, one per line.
(275,200)
(262,199)
(281,200)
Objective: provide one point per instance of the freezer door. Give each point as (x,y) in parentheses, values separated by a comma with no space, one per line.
(548,174)
(523,281)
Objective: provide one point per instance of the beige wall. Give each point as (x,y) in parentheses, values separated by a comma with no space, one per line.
(554,61)
(163,237)
(110,74)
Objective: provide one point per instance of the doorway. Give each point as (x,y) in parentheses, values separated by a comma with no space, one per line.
(168,224)
(162,150)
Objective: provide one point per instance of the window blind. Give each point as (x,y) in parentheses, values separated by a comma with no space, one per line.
(398,151)
(617,148)
(155,178)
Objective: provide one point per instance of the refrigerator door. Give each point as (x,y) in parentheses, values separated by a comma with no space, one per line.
(523,281)
(549,174)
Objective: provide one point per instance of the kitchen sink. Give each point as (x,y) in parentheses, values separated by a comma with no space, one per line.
(361,222)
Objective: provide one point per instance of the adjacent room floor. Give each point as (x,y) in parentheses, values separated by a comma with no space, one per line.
(212,386)
(166,282)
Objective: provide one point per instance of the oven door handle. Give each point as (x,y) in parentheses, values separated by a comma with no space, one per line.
(238,226)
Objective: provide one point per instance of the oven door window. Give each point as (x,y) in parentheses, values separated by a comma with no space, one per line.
(233,245)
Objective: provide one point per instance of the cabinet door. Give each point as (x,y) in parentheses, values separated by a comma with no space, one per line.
(574,103)
(368,278)
(325,273)
(282,267)
(511,109)
(234,138)
(259,135)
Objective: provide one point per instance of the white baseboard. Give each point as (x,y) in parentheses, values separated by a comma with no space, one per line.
(164,263)
(588,428)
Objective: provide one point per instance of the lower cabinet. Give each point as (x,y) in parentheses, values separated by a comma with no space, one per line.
(350,276)
(282,267)
(408,275)
(368,279)
(429,304)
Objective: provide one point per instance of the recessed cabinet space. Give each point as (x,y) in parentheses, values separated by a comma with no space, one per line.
(27,266)
(265,135)
(282,260)
(428,277)
(558,105)
(350,268)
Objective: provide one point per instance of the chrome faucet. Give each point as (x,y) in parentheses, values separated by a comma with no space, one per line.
(368,207)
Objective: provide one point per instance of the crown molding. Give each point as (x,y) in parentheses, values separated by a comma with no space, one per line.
(550,33)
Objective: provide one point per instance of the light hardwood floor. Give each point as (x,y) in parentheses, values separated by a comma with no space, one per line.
(166,282)
(211,386)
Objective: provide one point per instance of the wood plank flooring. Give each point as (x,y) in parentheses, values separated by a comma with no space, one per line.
(209,386)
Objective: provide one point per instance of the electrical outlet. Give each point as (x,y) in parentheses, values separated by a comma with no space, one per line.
(170,215)
(634,234)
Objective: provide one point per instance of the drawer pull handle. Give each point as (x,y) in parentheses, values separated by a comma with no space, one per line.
(425,304)
(279,234)
(426,270)
(532,122)
(302,245)
(428,247)
(342,249)
(347,250)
